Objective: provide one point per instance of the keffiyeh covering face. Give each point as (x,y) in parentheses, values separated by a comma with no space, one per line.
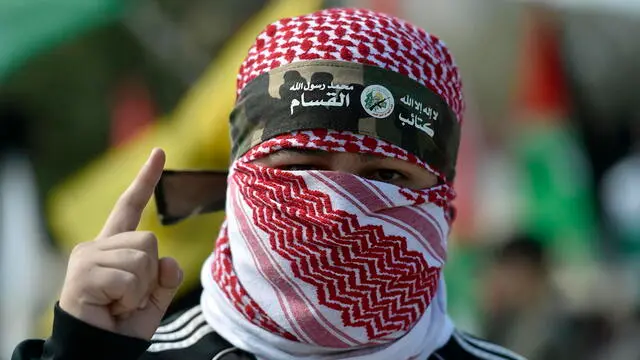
(326,265)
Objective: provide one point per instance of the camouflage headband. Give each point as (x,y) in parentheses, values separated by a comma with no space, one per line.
(346,96)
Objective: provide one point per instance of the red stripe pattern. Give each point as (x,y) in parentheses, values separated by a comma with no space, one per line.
(371,278)
(227,280)
(371,252)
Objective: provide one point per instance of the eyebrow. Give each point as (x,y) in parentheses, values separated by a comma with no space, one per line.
(316,152)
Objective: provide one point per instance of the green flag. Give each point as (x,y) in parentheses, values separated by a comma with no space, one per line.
(28,27)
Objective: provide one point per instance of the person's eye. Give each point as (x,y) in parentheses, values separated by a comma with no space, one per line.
(388,175)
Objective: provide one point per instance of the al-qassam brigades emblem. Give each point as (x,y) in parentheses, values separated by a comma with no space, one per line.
(377,101)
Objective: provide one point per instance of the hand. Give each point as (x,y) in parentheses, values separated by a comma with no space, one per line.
(117,282)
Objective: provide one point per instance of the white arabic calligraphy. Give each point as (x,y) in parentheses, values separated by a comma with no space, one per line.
(331,102)
(406,121)
(415,120)
(340,87)
(431,113)
(423,125)
(310,87)
(294,103)
(407,100)
(297,86)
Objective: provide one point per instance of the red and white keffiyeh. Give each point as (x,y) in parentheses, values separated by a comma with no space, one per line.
(316,264)
(359,36)
(326,265)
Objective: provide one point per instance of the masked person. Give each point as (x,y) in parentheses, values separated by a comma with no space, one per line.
(345,135)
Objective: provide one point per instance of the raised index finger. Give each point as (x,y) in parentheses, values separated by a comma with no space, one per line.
(126,214)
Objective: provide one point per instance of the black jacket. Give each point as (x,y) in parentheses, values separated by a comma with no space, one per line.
(186,336)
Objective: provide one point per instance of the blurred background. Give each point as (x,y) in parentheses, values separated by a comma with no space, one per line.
(545,254)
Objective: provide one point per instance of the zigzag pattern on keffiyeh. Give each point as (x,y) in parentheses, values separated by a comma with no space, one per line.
(334,260)
(395,283)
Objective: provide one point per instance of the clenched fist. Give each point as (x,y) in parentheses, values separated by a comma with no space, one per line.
(117,282)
